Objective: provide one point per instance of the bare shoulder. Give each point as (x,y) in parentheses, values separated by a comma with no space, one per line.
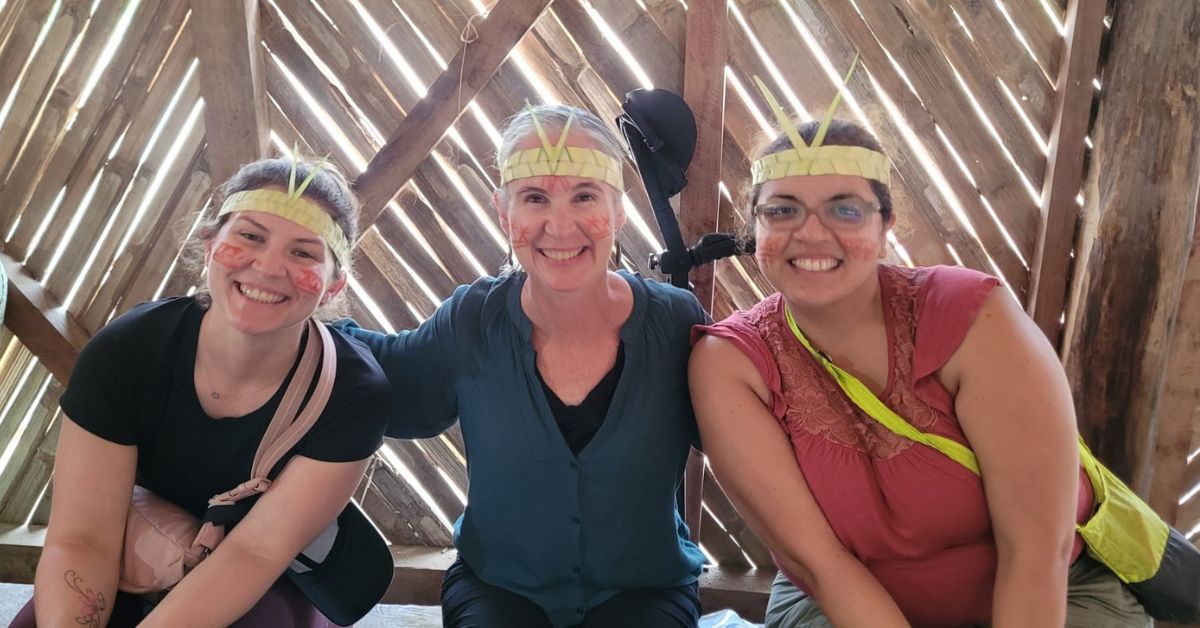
(717,361)
(1001,337)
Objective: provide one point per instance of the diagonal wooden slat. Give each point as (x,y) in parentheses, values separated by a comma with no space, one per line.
(1064,166)
(80,150)
(56,115)
(35,82)
(953,115)
(445,101)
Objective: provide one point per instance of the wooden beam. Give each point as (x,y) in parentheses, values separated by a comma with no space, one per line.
(1064,166)
(1139,214)
(232,82)
(705,54)
(1180,398)
(743,591)
(418,575)
(40,322)
(426,123)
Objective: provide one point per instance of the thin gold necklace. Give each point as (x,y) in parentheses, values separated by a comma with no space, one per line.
(210,381)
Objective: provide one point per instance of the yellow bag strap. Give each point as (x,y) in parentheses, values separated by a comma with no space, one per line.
(876,409)
(1123,533)
(869,403)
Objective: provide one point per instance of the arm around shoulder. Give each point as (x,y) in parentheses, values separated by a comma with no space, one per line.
(421,366)
(753,459)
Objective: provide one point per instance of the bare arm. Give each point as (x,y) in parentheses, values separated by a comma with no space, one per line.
(300,504)
(1014,404)
(76,580)
(754,461)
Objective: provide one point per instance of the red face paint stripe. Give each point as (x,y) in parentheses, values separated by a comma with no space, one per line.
(520,236)
(770,246)
(598,226)
(553,183)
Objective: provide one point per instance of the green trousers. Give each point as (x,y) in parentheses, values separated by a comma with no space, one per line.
(1095,599)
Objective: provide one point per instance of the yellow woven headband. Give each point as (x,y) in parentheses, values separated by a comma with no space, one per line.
(803,159)
(561,160)
(294,207)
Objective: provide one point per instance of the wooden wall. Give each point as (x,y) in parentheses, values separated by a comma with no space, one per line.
(118,123)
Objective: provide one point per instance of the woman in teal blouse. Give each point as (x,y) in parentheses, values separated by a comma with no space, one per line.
(571,385)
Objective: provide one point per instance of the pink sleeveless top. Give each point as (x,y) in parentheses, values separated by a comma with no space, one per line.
(915,518)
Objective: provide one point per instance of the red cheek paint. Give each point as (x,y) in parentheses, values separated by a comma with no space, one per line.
(597,227)
(230,256)
(520,235)
(308,281)
(860,248)
(770,246)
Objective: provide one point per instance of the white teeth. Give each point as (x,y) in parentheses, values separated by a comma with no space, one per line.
(562,255)
(259,295)
(816,265)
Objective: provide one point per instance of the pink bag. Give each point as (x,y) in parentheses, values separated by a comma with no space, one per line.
(163,542)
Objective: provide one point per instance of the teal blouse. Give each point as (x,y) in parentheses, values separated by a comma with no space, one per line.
(566,532)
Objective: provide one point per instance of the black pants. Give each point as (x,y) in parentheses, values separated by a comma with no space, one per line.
(468,602)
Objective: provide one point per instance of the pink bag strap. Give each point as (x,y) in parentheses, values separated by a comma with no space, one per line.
(284,432)
(287,427)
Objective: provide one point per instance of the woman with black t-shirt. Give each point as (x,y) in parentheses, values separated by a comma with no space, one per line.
(175,396)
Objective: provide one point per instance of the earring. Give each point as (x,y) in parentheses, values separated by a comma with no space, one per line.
(616,258)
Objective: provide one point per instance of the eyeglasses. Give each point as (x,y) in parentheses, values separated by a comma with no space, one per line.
(844,214)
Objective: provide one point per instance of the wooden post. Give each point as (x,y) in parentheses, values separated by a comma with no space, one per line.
(1139,213)
(1180,410)
(1064,166)
(420,131)
(705,54)
(232,82)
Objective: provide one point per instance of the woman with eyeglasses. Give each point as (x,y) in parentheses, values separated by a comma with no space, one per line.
(870,528)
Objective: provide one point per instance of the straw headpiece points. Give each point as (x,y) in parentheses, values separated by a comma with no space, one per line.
(804,159)
(558,159)
(293,206)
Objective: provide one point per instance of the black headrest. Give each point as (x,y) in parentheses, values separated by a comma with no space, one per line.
(661,131)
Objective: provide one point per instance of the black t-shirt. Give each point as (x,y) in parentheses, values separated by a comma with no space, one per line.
(133,385)
(580,423)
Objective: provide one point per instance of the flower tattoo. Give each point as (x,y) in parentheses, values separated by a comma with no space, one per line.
(93,602)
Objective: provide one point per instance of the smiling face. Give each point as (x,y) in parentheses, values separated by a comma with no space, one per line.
(561,227)
(267,273)
(812,265)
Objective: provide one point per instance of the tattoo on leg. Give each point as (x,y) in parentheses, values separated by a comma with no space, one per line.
(229,256)
(93,602)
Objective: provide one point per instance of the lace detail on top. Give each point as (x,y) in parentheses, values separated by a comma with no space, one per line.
(815,403)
